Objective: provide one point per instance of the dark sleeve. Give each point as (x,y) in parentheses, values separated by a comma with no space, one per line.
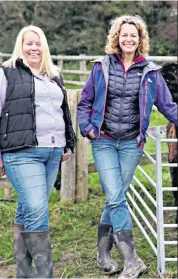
(164,101)
(69,132)
(86,103)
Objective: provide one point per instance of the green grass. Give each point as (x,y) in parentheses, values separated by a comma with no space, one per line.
(71,86)
(74,228)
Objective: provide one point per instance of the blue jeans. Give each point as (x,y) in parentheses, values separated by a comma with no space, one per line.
(32,172)
(116,161)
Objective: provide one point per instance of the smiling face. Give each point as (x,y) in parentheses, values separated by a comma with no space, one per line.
(32,50)
(128,39)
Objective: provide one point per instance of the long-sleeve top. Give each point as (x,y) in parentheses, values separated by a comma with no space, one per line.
(50,126)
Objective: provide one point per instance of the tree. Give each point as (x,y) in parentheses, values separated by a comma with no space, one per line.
(74,27)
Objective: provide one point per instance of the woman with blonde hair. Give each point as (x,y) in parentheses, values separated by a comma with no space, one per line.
(114,112)
(35,134)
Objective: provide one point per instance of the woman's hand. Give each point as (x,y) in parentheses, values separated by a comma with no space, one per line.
(2,171)
(91,134)
(67,155)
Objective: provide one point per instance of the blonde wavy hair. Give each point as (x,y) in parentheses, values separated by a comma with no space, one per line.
(112,45)
(47,65)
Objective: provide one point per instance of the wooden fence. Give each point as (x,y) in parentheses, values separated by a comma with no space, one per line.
(82,59)
(75,171)
(74,175)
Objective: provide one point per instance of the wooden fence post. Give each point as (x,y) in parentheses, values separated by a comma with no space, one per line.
(83,68)
(82,166)
(7,194)
(68,172)
(60,64)
(7,187)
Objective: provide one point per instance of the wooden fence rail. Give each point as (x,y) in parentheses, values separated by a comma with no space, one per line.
(82,59)
(74,175)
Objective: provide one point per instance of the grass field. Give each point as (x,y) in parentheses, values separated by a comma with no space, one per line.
(74,229)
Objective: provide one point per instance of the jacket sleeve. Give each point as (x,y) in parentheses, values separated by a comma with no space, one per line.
(3,88)
(69,132)
(164,101)
(85,104)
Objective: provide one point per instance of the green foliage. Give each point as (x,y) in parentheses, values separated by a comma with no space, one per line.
(75,27)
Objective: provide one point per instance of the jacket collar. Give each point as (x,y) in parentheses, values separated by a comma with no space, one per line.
(139,62)
(20,63)
(149,65)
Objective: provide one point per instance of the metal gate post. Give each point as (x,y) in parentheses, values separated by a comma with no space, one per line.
(159,210)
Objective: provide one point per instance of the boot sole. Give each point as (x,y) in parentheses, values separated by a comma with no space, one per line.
(142,270)
(112,271)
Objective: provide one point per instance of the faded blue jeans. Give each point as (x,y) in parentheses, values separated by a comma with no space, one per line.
(32,172)
(116,161)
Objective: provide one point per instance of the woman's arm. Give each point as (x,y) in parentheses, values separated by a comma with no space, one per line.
(69,132)
(164,101)
(3,88)
(86,103)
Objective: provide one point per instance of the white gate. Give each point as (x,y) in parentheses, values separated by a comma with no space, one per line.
(155,225)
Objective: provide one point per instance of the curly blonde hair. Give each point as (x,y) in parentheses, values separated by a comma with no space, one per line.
(112,45)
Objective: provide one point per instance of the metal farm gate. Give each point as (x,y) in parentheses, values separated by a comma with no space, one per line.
(145,199)
(152,213)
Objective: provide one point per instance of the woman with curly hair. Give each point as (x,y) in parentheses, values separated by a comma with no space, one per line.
(113,112)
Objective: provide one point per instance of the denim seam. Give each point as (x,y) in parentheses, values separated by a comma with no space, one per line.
(15,178)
